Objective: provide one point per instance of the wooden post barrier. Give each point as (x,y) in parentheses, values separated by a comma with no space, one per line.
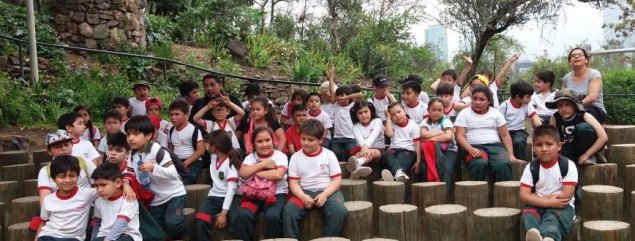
(619,134)
(312,226)
(386,192)
(426,194)
(358,224)
(601,202)
(331,239)
(280,239)
(629,186)
(23,209)
(354,190)
(518,168)
(40,156)
(506,194)
(606,231)
(632,211)
(3,225)
(345,173)
(529,152)
(9,190)
(599,174)
(196,194)
(203,177)
(9,158)
(447,222)
(380,239)
(497,224)
(189,214)
(473,195)
(574,233)
(398,221)
(19,232)
(30,188)
(374,176)
(18,172)
(623,155)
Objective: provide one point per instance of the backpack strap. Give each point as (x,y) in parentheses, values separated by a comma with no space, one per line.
(534,168)
(563,162)
(194,138)
(170,134)
(160,155)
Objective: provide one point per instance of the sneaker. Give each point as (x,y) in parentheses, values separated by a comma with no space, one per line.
(533,235)
(600,158)
(547,239)
(352,164)
(401,176)
(386,175)
(361,172)
(590,161)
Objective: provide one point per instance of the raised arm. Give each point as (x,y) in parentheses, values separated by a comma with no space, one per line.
(198,117)
(465,71)
(500,78)
(240,113)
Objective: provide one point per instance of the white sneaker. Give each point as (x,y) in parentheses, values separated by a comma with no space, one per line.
(533,235)
(352,164)
(361,172)
(386,175)
(548,239)
(401,176)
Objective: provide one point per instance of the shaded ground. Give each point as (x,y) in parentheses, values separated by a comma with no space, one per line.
(34,135)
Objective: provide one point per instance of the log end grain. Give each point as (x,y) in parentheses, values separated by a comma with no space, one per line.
(497,212)
(445,209)
(605,225)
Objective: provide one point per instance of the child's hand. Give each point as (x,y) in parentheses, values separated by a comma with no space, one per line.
(224,99)
(212,103)
(474,152)
(582,159)
(387,114)
(320,199)
(268,163)
(555,202)
(147,167)
(221,220)
(128,193)
(416,167)
(513,158)
(308,201)
(468,60)
(514,57)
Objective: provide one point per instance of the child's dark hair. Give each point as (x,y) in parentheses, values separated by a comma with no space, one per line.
(521,89)
(108,171)
(312,127)
(257,131)
(434,100)
(271,113)
(298,108)
(252,90)
(486,91)
(547,77)
(112,114)
(121,101)
(141,124)
(343,90)
(221,140)
(444,89)
(547,130)
(393,104)
(219,79)
(315,94)
(356,88)
(300,93)
(363,104)
(413,85)
(118,140)
(186,86)
(63,164)
(179,105)
(449,72)
(89,124)
(67,120)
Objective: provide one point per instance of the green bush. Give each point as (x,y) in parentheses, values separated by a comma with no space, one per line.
(218,52)
(159,28)
(619,100)
(265,50)
(161,49)
(14,24)
(308,67)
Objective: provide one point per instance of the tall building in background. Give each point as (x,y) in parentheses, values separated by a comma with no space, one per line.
(437,36)
(611,16)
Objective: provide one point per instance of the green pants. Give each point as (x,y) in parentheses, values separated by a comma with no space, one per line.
(333,210)
(583,138)
(552,223)
(497,161)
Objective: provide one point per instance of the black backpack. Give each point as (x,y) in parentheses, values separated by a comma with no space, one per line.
(178,164)
(197,129)
(563,163)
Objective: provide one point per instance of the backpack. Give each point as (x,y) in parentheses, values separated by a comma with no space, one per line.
(82,165)
(178,164)
(563,163)
(197,128)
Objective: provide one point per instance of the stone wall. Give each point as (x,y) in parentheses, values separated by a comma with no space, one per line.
(100,24)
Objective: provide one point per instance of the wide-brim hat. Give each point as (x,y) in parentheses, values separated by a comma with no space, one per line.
(565,94)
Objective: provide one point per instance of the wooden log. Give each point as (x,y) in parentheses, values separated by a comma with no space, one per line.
(398,221)
(354,190)
(3,226)
(9,190)
(506,194)
(19,232)
(203,177)
(599,174)
(196,194)
(574,233)
(19,172)
(632,212)
(517,169)
(629,186)
(8,158)
(447,222)
(23,209)
(473,195)
(280,239)
(386,192)
(426,194)
(497,224)
(30,188)
(529,152)
(374,176)
(601,202)
(619,134)
(312,225)
(40,156)
(331,239)
(604,230)
(380,239)
(358,224)
(623,155)
(345,173)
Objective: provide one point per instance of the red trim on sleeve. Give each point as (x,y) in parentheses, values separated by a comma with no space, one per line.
(526,186)
(417,139)
(124,217)
(232,179)
(532,114)
(570,183)
(44,187)
(294,178)
(336,175)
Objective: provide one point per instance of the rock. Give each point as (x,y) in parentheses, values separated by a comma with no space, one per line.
(78,17)
(71,27)
(117,36)
(98,1)
(86,30)
(65,35)
(131,21)
(118,15)
(106,16)
(103,6)
(61,19)
(14,61)
(237,48)
(91,43)
(4,60)
(92,18)
(101,31)
(112,23)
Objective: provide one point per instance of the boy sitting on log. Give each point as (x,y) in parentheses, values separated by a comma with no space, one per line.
(547,189)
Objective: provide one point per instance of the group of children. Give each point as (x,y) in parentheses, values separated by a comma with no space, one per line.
(285,167)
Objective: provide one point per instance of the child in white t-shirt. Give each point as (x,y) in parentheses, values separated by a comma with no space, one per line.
(446,93)
(516,110)
(186,141)
(544,93)
(382,97)
(112,123)
(221,108)
(73,123)
(404,152)
(141,91)
(413,106)
(315,112)
(368,129)
(91,133)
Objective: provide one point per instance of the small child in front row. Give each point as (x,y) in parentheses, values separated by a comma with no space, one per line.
(186,141)
(438,146)
(225,161)
(116,219)
(515,110)
(368,129)
(405,151)
(314,181)
(293,135)
(548,196)
(315,112)
(544,93)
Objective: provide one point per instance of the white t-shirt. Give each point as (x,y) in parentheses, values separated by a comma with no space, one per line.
(314,171)
(380,106)
(162,139)
(165,126)
(285,110)
(281,160)
(481,128)
(96,137)
(85,149)
(457,94)
(138,107)
(343,123)
(165,182)
(538,102)
(418,112)
(67,216)
(181,141)
(450,113)
(221,173)
(111,210)
(329,108)
(423,97)
(515,115)
(44,181)
(325,119)
(550,180)
(405,136)
(103,145)
(443,124)
(494,88)
(371,135)
(228,126)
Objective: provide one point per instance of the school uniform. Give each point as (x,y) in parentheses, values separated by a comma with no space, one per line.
(96,135)
(344,139)
(325,119)
(314,172)
(229,126)
(401,154)
(380,105)
(138,106)
(181,142)
(66,216)
(84,149)
(538,102)
(443,154)
(113,210)
(417,112)
(44,180)
(371,135)
(293,138)
(515,116)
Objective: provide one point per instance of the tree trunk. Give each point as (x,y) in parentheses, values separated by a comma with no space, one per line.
(334,27)
(480,45)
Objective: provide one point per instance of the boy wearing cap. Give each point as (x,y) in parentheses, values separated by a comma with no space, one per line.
(582,135)
(142,93)
(382,97)
(154,107)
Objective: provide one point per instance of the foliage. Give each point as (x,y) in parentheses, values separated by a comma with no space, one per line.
(218,52)
(308,67)
(283,27)
(13,24)
(160,29)
(559,66)
(161,49)
(265,50)
(620,108)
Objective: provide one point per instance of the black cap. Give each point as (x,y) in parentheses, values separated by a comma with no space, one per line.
(381,81)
